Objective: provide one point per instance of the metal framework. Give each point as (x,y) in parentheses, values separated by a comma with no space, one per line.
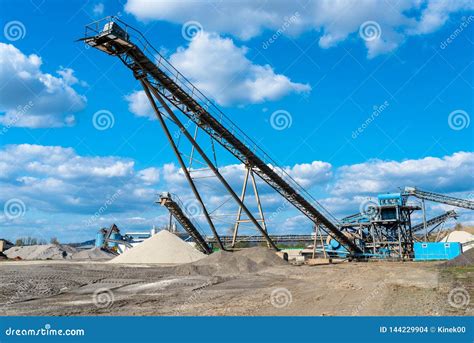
(175,207)
(440,198)
(161,81)
(239,220)
(434,221)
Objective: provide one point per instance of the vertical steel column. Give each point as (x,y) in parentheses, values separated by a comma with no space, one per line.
(208,162)
(181,162)
(239,211)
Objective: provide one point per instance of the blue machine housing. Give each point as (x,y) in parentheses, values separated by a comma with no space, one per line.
(391,199)
(427,251)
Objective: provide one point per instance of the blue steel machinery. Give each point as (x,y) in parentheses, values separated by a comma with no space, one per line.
(174,99)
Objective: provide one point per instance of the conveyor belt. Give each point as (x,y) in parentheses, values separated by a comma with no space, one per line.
(186,97)
(174,206)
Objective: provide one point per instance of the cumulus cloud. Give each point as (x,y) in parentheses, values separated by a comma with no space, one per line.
(139,105)
(221,69)
(31,98)
(98,9)
(57,179)
(333,21)
(57,184)
(452,173)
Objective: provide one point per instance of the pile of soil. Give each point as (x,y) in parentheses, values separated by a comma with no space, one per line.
(248,260)
(41,252)
(465,259)
(94,254)
(162,248)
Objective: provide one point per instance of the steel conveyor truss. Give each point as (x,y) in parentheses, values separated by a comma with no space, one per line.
(434,221)
(440,198)
(160,79)
(175,207)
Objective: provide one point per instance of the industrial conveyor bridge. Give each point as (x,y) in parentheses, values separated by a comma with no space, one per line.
(440,198)
(434,221)
(175,207)
(162,82)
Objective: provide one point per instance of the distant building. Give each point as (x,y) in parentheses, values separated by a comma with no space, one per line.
(5,245)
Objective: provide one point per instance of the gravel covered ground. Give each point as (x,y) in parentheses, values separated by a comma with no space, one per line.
(234,285)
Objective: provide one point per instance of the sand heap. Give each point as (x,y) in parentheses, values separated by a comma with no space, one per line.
(463,237)
(164,247)
(95,254)
(249,260)
(41,252)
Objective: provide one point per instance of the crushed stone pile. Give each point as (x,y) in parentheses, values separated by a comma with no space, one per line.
(465,259)
(41,252)
(163,248)
(94,254)
(249,260)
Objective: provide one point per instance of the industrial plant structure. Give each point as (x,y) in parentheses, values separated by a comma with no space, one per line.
(383,230)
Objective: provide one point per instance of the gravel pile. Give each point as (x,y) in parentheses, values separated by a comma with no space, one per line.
(41,252)
(162,248)
(465,259)
(94,254)
(248,260)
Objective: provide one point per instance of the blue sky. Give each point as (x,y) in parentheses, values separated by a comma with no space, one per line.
(363,111)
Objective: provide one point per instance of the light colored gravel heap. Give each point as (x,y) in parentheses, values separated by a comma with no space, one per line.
(41,252)
(163,248)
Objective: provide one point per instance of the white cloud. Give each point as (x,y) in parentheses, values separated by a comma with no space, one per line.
(437,13)
(309,174)
(333,20)
(221,70)
(139,105)
(63,189)
(31,98)
(447,174)
(98,9)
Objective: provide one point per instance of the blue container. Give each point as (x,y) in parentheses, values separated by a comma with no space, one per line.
(390,199)
(427,251)
(115,236)
(99,239)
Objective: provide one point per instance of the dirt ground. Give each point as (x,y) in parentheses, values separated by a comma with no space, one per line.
(348,288)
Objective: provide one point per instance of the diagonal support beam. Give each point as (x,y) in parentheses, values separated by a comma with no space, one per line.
(198,148)
(145,86)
